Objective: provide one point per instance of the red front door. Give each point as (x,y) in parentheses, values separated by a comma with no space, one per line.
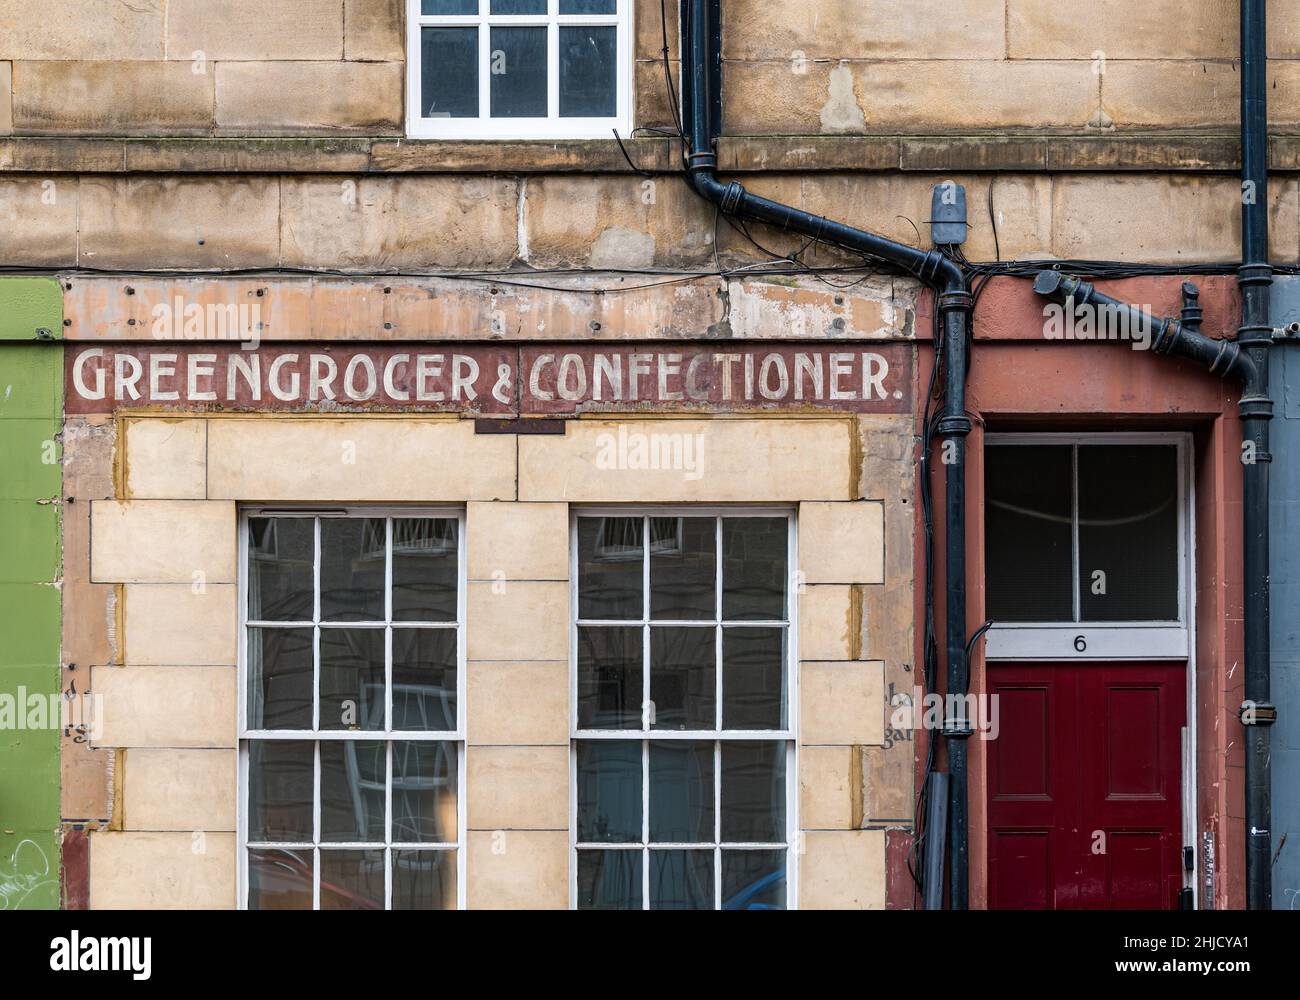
(1085,781)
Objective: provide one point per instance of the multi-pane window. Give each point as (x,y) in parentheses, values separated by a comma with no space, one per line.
(683,751)
(352,682)
(518,69)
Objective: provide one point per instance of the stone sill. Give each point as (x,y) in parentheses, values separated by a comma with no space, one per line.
(1206,152)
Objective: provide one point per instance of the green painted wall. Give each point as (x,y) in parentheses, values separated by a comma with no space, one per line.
(31,418)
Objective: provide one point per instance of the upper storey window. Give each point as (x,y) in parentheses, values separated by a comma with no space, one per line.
(518,69)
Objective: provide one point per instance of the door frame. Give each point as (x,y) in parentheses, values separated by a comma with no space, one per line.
(1041,642)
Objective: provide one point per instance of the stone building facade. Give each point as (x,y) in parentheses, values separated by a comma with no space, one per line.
(272,321)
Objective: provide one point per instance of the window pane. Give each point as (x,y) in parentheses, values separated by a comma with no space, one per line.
(351,880)
(424,792)
(279,678)
(681,792)
(683,568)
(610,568)
(683,690)
(609,678)
(518,66)
(1028,532)
(351,678)
(588,6)
(609,880)
(428,7)
(609,792)
(588,80)
(280,780)
(424,880)
(449,72)
(681,880)
(753,678)
(352,774)
(280,880)
(518,6)
(424,679)
(352,569)
(753,880)
(1128,532)
(754,568)
(426,569)
(281,554)
(753,793)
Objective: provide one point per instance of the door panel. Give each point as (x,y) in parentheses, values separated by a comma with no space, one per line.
(1085,786)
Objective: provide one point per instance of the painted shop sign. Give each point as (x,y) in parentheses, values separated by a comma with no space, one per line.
(492,381)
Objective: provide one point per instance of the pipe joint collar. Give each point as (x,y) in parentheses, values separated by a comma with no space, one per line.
(950,301)
(1255,335)
(1258,713)
(1259,407)
(952,426)
(1255,274)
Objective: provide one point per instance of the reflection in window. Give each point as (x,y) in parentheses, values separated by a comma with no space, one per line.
(1082,532)
(531,69)
(682,747)
(350,748)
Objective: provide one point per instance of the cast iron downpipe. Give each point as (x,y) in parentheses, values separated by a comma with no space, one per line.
(1246,359)
(1255,335)
(701,52)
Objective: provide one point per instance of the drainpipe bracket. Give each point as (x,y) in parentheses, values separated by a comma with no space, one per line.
(1255,336)
(957,729)
(1258,713)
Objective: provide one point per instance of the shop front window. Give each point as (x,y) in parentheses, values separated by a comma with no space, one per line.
(352,682)
(683,750)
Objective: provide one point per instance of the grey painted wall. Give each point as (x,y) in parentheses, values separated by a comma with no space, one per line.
(1285,527)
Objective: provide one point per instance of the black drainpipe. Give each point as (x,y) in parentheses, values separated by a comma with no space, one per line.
(701,53)
(1255,335)
(1247,360)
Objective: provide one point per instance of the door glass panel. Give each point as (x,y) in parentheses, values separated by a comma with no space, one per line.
(1128,532)
(1028,532)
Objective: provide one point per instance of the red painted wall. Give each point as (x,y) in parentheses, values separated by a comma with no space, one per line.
(1021,381)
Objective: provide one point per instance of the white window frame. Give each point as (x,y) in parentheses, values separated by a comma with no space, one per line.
(1061,641)
(646,735)
(387,735)
(550,127)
